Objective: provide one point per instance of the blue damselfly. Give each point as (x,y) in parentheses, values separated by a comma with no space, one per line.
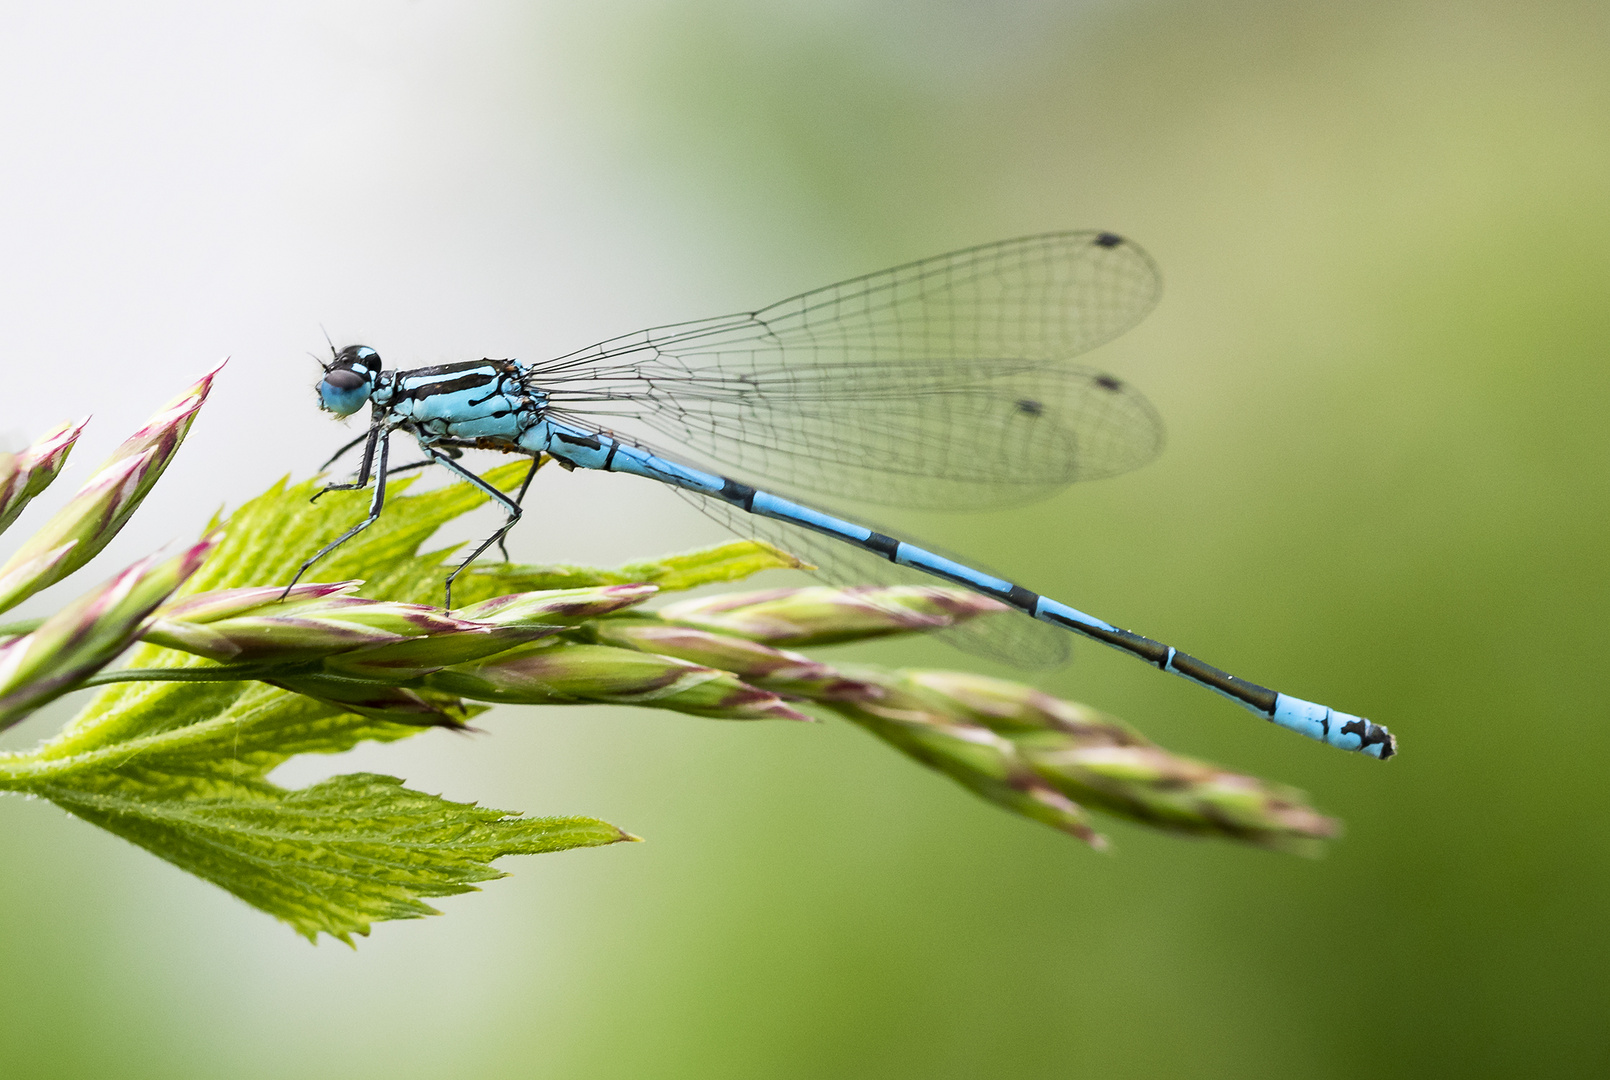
(942,383)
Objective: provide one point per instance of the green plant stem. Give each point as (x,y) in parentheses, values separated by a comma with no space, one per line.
(269,673)
(225,673)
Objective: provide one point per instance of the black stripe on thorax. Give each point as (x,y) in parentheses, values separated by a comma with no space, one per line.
(448,369)
(449,386)
(477,375)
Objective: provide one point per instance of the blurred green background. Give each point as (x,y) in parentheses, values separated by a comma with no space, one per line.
(1381,357)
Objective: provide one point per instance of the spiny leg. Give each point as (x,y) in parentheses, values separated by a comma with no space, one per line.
(508,504)
(376,504)
(536,463)
(375,435)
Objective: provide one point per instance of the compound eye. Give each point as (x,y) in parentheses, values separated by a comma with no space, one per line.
(345,379)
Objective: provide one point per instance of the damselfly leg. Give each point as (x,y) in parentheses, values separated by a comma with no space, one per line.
(377,438)
(511,506)
(442,453)
(525,485)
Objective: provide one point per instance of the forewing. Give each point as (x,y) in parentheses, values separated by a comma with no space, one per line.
(931,384)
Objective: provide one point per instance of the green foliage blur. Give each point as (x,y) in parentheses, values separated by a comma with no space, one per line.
(1381,356)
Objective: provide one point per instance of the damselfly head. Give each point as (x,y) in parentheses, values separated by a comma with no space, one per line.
(348,380)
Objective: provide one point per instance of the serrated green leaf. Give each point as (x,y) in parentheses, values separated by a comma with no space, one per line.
(333,857)
(729,561)
(228,751)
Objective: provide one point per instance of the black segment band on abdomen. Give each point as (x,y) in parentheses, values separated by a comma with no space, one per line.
(879,544)
(1025,600)
(1259,697)
(740,495)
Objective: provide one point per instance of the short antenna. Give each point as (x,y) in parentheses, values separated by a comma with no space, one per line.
(333,353)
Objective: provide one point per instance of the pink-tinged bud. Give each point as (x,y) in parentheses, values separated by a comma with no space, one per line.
(82,525)
(25,474)
(231,603)
(557,672)
(317,627)
(761,665)
(1182,795)
(18,575)
(559,606)
(1039,756)
(163,433)
(988,765)
(1009,708)
(410,659)
(105,502)
(87,634)
(823,616)
(377,701)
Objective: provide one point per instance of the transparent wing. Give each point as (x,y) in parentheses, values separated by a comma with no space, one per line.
(940,376)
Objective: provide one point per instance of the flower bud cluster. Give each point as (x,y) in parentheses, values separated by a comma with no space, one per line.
(87,634)
(89,520)
(1025,750)
(824,616)
(404,661)
(1047,759)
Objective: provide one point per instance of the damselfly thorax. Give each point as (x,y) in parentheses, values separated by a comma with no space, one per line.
(485,402)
